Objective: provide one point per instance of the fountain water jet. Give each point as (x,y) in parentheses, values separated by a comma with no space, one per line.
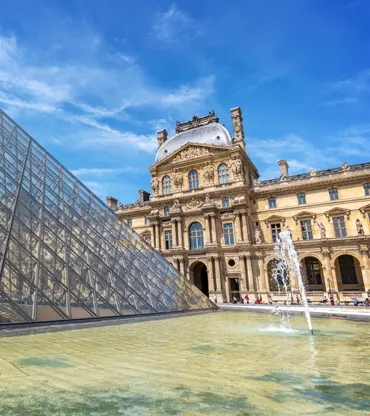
(287,260)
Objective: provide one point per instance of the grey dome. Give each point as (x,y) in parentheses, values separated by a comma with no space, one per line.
(215,134)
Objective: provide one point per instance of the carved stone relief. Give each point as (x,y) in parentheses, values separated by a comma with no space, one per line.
(208,174)
(155,185)
(194,203)
(177,180)
(237,167)
(193,152)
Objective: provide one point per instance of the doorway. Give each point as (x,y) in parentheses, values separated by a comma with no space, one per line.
(201,277)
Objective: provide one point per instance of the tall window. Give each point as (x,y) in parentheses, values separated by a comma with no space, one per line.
(275,230)
(196,236)
(225,202)
(166,211)
(223,173)
(168,239)
(228,234)
(193,179)
(166,185)
(347,270)
(313,271)
(147,220)
(306,230)
(272,202)
(333,193)
(339,227)
(367,189)
(301,198)
(129,222)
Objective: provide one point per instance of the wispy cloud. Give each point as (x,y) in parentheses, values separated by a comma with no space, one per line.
(102,171)
(174,25)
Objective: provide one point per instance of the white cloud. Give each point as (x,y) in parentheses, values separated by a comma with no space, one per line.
(174,25)
(102,171)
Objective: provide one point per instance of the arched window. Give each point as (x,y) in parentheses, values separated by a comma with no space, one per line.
(166,211)
(166,185)
(196,236)
(333,193)
(223,173)
(272,202)
(225,202)
(193,179)
(367,189)
(313,271)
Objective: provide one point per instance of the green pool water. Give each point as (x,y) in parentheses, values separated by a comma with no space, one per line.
(222,363)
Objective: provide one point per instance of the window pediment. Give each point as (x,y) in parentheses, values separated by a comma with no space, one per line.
(274,218)
(304,215)
(337,211)
(365,210)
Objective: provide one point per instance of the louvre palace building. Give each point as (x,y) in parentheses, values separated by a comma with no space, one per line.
(211,216)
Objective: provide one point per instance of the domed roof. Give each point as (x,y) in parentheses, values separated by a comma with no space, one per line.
(213,133)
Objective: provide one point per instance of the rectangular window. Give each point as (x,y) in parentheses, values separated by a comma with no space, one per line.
(333,193)
(129,222)
(228,234)
(147,220)
(301,198)
(168,239)
(225,202)
(306,230)
(339,227)
(275,230)
(367,189)
(272,202)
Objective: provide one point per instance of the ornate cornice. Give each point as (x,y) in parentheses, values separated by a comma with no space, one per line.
(196,122)
(304,214)
(337,211)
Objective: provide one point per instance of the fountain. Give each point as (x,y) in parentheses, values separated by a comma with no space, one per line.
(287,260)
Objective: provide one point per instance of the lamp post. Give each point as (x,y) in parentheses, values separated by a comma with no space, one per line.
(328,280)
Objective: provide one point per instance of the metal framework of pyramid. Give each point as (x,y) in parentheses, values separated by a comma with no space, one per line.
(64,255)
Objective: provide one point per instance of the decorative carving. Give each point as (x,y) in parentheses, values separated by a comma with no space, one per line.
(194,203)
(154,212)
(239,200)
(325,251)
(364,250)
(176,205)
(345,166)
(155,185)
(313,172)
(208,200)
(196,122)
(256,182)
(283,178)
(322,230)
(120,206)
(360,228)
(208,173)
(177,179)
(236,166)
(227,216)
(192,152)
(257,236)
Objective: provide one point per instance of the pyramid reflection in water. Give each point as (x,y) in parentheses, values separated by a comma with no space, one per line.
(63,255)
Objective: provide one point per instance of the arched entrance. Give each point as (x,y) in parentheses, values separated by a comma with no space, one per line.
(348,271)
(312,274)
(277,275)
(200,277)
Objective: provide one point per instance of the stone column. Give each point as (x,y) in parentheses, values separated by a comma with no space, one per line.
(220,293)
(293,281)
(174,232)
(243,273)
(181,266)
(261,287)
(238,226)
(208,229)
(179,233)
(214,229)
(211,275)
(157,236)
(251,285)
(245,226)
(329,272)
(364,250)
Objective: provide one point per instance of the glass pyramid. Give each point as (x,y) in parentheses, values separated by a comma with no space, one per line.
(63,255)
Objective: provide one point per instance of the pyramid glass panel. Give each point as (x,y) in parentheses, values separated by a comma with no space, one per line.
(64,255)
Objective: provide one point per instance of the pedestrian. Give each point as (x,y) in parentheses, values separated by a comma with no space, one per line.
(355,301)
(246,298)
(298,301)
(215,298)
(235,300)
(332,301)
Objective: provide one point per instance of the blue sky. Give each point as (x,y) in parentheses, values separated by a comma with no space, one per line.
(92,80)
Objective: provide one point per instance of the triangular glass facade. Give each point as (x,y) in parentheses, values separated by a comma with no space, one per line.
(63,255)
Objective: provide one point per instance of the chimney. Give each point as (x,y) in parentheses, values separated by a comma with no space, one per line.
(112,202)
(284,168)
(144,195)
(161,137)
(237,119)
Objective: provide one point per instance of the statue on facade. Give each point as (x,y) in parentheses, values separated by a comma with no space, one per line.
(257,236)
(176,204)
(256,182)
(313,172)
(208,200)
(345,166)
(208,173)
(177,179)
(290,231)
(236,167)
(322,230)
(360,228)
(155,184)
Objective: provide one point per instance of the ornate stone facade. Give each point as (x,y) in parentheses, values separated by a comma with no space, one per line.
(217,226)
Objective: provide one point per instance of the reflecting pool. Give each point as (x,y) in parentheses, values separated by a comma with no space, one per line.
(221,363)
